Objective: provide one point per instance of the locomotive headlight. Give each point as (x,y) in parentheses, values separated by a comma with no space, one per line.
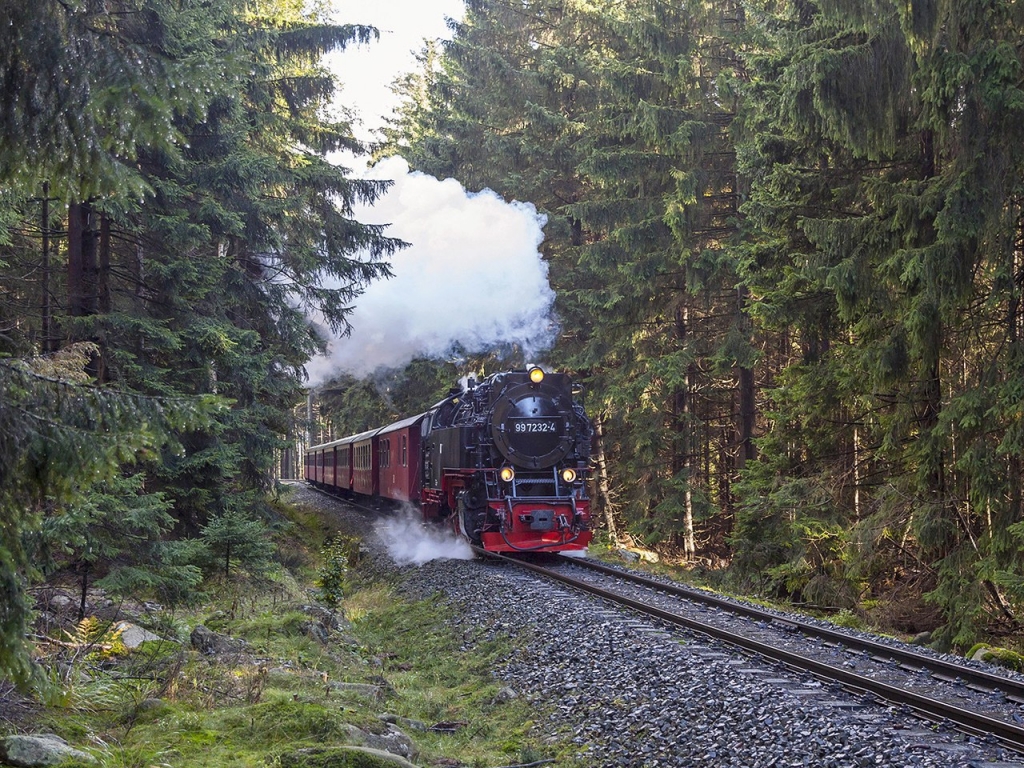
(507,474)
(536,375)
(569,475)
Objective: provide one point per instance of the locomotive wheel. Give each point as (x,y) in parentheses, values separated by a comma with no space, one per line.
(470,521)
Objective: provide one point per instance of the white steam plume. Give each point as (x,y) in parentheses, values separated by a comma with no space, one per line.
(410,542)
(472,276)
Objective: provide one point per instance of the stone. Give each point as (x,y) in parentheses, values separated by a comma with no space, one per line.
(394,740)
(505,695)
(40,749)
(61,602)
(132,635)
(315,631)
(210,643)
(333,621)
(403,722)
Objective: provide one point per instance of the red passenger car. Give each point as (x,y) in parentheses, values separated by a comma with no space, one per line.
(343,463)
(329,461)
(365,469)
(398,449)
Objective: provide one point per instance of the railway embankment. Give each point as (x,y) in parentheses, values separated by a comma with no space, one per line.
(404,654)
(323,660)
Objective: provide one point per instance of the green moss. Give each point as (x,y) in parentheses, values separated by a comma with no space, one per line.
(1004,657)
(333,757)
(975,648)
(283,719)
(283,622)
(847,619)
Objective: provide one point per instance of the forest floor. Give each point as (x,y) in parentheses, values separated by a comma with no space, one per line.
(262,673)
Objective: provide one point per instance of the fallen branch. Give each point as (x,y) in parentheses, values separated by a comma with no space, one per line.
(448,726)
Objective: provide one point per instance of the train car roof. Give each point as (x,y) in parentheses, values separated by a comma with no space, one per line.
(401,424)
(344,440)
(361,436)
(323,446)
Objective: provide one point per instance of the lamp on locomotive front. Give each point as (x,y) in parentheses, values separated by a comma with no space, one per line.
(569,475)
(507,474)
(536,374)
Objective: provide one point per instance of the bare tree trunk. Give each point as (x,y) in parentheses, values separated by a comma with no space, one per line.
(603,497)
(747,393)
(84,589)
(684,459)
(103,274)
(856,472)
(76,267)
(81,261)
(1013,322)
(47,307)
(82,270)
(103,295)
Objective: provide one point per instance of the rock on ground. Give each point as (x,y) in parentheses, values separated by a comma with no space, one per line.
(39,750)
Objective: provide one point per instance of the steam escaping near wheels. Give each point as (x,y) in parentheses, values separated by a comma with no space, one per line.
(410,542)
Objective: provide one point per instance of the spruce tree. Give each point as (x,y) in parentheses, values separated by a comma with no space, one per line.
(185,144)
(882,161)
(61,436)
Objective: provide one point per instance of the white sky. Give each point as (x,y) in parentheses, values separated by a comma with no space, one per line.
(472,275)
(367,71)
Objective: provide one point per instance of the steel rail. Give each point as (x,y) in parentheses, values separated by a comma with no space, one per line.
(1012,735)
(945,670)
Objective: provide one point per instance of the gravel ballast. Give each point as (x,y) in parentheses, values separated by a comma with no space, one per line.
(625,691)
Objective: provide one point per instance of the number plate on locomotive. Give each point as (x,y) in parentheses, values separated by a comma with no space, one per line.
(536,426)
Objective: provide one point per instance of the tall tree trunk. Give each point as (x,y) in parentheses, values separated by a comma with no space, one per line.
(683,451)
(603,496)
(83,297)
(83,588)
(76,266)
(81,260)
(930,418)
(100,372)
(747,393)
(856,473)
(1013,326)
(47,306)
(103,274)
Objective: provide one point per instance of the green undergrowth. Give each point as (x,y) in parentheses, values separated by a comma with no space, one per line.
(438,677)
(289,697)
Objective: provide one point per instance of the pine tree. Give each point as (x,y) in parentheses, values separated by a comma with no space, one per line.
(89,84)
(62,436)
(188,143)
(881,179)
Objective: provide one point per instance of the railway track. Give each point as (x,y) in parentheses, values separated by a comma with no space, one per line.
(977,701)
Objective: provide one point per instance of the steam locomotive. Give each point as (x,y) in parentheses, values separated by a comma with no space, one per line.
(503,460)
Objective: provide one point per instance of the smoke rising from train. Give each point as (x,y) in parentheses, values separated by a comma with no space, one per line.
(472,276)
(409,542)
